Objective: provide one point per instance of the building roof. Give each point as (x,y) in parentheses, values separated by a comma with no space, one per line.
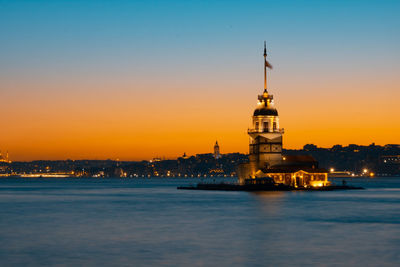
(292,169)
(299,158)
(295,163)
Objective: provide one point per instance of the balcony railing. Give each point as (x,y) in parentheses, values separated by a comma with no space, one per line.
(265,131)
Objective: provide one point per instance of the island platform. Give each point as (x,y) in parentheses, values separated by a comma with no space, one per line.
(264,187)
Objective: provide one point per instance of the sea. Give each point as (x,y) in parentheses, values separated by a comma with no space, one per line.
(148,222)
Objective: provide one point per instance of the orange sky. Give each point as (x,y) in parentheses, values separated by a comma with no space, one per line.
(135,80)
(133,120)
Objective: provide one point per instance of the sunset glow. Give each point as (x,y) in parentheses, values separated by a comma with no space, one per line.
(135,81)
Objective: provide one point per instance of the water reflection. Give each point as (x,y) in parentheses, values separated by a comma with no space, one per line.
(149,222)
(270,194)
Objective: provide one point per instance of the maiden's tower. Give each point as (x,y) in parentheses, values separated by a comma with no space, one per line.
(266,161)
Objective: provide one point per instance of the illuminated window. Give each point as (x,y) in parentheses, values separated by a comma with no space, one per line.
(274,126)
(257,125)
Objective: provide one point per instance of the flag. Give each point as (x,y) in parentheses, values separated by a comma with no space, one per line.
(267,65)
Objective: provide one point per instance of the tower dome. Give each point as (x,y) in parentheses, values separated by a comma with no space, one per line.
(265,112)
(265,105)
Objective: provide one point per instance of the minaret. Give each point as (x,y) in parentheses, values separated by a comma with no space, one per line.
(265,146)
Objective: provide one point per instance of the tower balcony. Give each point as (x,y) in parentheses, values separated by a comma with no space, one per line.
(252,131)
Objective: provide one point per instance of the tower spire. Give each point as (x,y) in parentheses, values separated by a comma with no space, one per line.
(265,66)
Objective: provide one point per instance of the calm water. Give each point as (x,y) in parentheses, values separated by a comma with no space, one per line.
(135,222)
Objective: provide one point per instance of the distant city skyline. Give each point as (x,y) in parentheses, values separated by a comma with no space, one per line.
(132,80)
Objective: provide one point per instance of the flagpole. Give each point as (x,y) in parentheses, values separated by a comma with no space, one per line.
(265,66)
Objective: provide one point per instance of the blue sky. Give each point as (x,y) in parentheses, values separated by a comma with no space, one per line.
(35,31)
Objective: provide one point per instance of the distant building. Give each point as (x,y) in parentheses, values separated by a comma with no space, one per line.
(4,165)
(205,156)
(395,159)
(265,150)
(217,153)
(390,165)
(392,146)
(4,159)
(155,160)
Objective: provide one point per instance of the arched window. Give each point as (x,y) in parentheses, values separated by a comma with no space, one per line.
(266,126)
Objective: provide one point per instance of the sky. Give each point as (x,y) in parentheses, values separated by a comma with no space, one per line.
(134,80)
